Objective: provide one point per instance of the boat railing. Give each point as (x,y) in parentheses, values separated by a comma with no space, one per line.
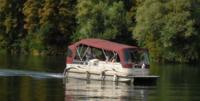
(99,62)
(79,62)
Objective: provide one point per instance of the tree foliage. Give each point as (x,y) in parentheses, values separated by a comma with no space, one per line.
(49,24)
(100,19)
(11,25)
(167,29)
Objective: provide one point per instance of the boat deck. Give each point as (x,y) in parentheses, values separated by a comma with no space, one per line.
(144,80)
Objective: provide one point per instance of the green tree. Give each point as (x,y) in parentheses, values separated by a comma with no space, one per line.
(11,25)
(33,40)
(2,41)
(167,29)
(56,24)
(105,19)
(49,23)
(67,21)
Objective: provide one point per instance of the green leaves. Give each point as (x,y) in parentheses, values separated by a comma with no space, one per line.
(171,26)
(11,25)
(168,28)
(100,19)
(41,25)
(31,12)
(49,24)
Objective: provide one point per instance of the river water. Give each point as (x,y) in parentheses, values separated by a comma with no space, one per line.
(28,78)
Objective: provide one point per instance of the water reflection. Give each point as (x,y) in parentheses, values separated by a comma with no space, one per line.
(31,78)
(177,83)
(109,91)
(33,63)
(22,88)
(27,78)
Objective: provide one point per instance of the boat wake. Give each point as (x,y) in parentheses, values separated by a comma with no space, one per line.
(33,74)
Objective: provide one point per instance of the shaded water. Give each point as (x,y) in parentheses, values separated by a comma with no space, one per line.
(24,78)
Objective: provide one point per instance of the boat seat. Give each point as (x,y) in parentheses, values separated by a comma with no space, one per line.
(93,62)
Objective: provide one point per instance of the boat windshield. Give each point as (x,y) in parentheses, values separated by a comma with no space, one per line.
(136,56)
(86,53)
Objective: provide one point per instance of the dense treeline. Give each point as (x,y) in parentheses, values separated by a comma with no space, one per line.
(168,28)
(36,26)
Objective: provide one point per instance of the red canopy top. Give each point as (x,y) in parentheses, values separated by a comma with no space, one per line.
(104,44)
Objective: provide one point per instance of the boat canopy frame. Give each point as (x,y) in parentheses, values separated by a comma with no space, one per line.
(104,45)
(81,56)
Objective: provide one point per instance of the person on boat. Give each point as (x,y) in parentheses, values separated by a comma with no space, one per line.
(89,54)
(113,60)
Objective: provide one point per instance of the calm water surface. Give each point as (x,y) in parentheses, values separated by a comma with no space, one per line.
(28,78)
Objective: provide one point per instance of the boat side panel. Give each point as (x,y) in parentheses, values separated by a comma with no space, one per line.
(84,76)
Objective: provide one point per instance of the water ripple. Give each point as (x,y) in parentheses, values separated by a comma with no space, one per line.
(34,74)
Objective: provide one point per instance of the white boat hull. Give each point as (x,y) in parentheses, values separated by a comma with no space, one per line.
(106,72)
(92,76)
